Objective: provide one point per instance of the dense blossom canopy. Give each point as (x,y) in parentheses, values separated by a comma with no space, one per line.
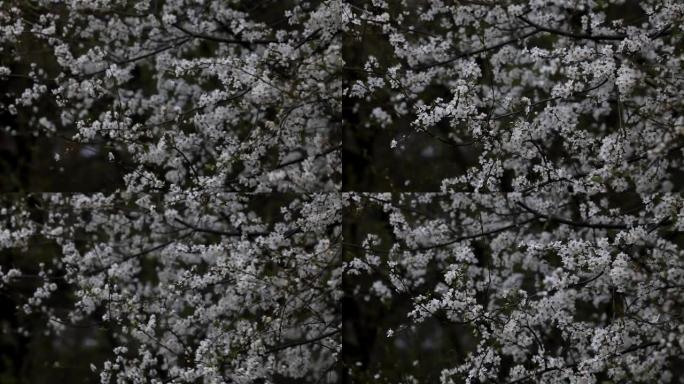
(538,289)
(548,94)
(551,249)
(553,253)
(183,272)
(221,288)
(214,95)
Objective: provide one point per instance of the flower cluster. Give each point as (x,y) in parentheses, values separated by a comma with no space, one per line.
(208,95)
(199,287)
(536,289)
(532,90)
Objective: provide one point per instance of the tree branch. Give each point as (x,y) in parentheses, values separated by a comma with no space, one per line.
(547,370)
(236,233)
(469,237)
(583,224)
(219,39)
(296,343)
(581,36)
(302,158)
(475,52)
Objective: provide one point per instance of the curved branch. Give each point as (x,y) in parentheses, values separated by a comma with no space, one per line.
(581,36)
(476,52)
(565,221)
(547,370)
(297,343)
(219,39)
(236,233)
(469,237)
(543,101)
(302,158)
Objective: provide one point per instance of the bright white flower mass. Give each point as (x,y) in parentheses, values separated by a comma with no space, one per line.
(552,251)
(554,256)
(527,92)
(220,288)
(183,269)
(197,94)
(532,288)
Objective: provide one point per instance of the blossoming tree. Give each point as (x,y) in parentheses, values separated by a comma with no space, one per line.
(531,288)
(554,251)
(187,271)
(532,94)
(213,288)
(182,94)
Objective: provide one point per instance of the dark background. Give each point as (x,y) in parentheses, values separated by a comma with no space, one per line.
(422,351)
